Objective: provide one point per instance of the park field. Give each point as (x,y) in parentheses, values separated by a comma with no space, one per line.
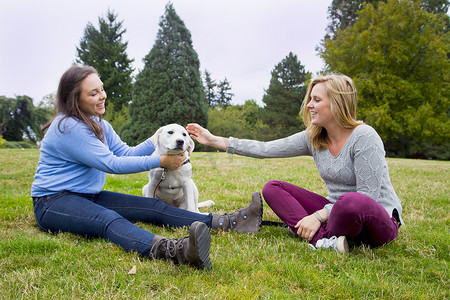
(271,264)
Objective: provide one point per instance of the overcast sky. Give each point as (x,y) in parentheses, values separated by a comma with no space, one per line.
(241,40)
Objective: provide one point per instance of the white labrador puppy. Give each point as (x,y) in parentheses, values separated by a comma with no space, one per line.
(175,187)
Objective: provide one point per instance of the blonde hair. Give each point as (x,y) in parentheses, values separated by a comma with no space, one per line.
(341,92)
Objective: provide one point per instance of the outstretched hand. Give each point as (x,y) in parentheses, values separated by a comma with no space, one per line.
(203,136)
(200,134)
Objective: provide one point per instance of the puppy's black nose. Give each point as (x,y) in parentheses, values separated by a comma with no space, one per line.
(180,143)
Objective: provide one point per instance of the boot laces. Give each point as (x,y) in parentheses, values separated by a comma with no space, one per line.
(171,249)
(167,247)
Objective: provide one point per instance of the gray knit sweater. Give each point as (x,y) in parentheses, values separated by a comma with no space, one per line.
(359,167)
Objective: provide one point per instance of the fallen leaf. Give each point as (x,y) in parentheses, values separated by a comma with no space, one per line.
(132,271)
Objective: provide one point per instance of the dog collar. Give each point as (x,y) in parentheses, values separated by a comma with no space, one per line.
(186,161)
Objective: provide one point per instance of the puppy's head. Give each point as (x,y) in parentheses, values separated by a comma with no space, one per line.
(172,139)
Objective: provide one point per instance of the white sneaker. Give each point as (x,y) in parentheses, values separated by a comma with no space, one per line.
(339,244)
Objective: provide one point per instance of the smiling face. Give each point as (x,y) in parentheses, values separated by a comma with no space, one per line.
(92,97)
(320,107)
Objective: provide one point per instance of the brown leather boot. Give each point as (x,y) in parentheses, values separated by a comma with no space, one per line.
(190,250)
(247,220)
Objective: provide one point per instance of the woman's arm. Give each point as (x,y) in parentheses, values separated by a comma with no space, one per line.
(203,136)
(294,145)
(309,225)
(119,148)
(77,144)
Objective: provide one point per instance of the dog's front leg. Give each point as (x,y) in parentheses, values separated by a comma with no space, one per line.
(189,196)
(149,189)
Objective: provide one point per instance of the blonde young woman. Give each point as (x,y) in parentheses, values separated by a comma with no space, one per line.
(361,204)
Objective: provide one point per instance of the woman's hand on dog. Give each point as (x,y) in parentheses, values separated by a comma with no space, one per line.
(173,162)
(203,136)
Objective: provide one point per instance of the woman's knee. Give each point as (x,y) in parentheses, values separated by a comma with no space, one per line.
(269,186)
(352,204)
(270,189)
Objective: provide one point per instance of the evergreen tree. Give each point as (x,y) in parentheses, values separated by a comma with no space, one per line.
(217,95)
(210,89)
(284,96)
(169,88)
(224,95)
(397,56)
(105,50)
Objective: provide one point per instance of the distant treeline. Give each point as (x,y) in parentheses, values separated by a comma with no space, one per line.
(396,51)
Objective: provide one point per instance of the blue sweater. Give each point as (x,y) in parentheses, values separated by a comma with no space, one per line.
(76,160)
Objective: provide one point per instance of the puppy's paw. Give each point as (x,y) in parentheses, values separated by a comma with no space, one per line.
(207,203)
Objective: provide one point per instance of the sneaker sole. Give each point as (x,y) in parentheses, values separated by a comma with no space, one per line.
(342,245)
(200,237)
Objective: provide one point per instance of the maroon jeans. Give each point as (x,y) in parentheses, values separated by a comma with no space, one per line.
(355,215)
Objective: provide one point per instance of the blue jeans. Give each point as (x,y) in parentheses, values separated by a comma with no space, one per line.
(109,215)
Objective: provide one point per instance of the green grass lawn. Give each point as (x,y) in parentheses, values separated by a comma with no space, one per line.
(271,264)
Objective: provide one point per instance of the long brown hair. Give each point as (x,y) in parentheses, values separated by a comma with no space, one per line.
(343,100)
(67,96)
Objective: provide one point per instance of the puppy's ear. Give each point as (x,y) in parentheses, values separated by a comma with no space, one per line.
(191,147)
(155,137)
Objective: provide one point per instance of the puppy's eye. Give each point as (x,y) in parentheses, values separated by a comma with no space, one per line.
(184,134)
(170,132)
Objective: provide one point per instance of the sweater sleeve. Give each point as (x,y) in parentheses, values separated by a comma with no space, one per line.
(119,148)
(294,145)
(80,145)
